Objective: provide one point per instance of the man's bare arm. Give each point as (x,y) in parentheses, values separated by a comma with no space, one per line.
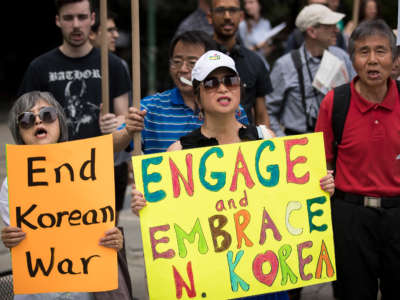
(134,123)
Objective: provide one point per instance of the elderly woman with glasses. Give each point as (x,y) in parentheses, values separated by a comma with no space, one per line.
(36,118)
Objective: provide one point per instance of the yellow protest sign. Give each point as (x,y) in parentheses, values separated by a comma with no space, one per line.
(236,220)
(62,197)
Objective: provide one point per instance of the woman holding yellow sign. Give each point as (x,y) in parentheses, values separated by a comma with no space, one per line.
(218,89)
(36,118)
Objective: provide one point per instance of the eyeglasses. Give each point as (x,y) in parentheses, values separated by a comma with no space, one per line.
(221,10)
(46,114)
(230,81)
(177,63)
(112,29)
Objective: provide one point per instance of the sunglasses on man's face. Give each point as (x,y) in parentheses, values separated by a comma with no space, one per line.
(230,81)
(46,114)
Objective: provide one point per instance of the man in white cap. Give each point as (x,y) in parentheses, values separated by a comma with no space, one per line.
(296,38)
(294,104)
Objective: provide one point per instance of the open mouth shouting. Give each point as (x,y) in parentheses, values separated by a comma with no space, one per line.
(373,74)
(41,133)
(76,36)
(224,101)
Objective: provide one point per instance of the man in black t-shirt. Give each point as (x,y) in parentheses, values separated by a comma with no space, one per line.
(225,16)
(72,72)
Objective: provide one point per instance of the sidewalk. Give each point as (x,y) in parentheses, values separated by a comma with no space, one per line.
(133,242)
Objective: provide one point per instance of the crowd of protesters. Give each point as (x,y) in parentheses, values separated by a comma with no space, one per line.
(360,119)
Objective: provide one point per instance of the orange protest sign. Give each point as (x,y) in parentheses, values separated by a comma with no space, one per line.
(62,197)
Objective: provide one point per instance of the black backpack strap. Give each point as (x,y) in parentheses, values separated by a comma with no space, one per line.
(341,104)
(296,57)
(398,85)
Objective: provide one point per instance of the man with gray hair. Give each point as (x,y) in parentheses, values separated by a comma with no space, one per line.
(361,125)
(294,102)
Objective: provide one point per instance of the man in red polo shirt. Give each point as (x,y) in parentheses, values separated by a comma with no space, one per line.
(366,204)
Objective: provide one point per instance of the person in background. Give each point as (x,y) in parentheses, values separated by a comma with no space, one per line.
(366,203)
(296,38)
(369,10)
(225,16)
(112,31)
(112,35)
(197,20)
(396,63)
(291,112)
(253,29)
(36,118)
(396,66)
(215,79)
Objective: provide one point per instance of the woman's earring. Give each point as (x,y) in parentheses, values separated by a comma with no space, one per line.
(238,112)
(201,116)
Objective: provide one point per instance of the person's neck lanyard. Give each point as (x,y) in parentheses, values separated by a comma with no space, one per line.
(310,75)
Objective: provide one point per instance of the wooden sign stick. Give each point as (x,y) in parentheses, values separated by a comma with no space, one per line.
(137,141)
(105,96)
(356,11)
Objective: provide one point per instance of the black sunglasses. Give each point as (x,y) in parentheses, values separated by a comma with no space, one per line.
(27,119)
(230,81)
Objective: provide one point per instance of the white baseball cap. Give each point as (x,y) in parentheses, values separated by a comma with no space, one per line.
(210,61)
(314,14)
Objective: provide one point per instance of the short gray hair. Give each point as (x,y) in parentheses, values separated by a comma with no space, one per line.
(25,103)
(371,28)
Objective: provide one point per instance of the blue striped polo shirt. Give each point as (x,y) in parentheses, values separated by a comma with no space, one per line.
(168,118)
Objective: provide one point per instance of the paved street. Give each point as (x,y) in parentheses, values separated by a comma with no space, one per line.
(133,241)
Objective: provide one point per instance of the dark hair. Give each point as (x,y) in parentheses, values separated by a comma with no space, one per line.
(212,2)
(25,103)
(247,16)
(370,28)
(195,37)
(363,5)
(110,16)
(60,3)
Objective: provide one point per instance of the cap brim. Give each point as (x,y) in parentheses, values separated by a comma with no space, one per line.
(204,76)
(332,19)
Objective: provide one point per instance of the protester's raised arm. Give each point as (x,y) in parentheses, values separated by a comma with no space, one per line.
(134,123)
